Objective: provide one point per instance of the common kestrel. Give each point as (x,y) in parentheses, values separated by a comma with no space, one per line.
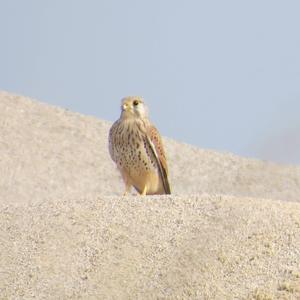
(135,146)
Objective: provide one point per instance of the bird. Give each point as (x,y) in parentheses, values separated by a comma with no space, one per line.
(135,145)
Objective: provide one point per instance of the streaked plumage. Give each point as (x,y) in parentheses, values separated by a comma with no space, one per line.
(135,146)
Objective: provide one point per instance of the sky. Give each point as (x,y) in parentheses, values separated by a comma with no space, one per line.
(222,75)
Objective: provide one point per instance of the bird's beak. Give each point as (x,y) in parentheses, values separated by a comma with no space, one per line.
(124,107)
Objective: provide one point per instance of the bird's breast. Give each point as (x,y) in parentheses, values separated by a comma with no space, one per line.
(131,149)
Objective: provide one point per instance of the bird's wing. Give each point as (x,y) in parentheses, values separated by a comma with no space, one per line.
(156,145)
(111,141)
(114,139)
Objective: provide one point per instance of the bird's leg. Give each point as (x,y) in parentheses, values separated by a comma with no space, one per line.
(127,188)
(127,182)
(144,192)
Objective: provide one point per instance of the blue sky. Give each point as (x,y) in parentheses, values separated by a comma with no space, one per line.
(221,75)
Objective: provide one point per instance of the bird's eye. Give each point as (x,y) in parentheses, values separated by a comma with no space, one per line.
(135,102)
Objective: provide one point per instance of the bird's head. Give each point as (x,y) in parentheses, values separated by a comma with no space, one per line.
(133,106)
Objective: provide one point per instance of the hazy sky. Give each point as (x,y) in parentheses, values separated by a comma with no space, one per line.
(223,75)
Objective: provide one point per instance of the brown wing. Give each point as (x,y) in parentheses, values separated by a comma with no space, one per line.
(112,140)
(155,142)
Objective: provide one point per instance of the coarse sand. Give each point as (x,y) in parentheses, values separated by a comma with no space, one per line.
(230,229)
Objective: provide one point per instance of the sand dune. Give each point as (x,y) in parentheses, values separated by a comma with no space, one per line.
(48,152)
(231,229)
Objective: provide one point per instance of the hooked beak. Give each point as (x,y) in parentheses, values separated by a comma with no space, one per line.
(124,107)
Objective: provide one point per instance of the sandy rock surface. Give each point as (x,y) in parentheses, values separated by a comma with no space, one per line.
(231,229)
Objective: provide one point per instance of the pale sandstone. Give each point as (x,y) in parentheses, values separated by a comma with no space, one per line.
(230,231)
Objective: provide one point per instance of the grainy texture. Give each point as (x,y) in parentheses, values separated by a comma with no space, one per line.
(66,234)
(48,152)
(206,247)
